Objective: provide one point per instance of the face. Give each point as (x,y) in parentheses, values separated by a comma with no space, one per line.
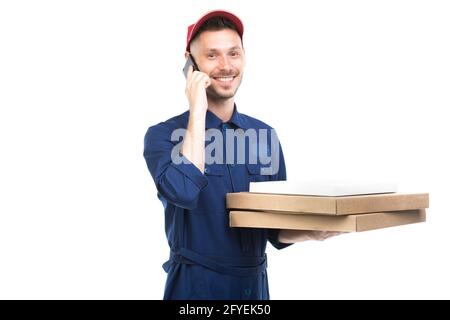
(220,55)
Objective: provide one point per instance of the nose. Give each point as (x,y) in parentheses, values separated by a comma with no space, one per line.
(224,63)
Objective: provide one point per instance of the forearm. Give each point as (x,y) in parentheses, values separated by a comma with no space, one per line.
(193,147)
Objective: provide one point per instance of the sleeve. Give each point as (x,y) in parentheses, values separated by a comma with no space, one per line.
(272,235)
(179,184)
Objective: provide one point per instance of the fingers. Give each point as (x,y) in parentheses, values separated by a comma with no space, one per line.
(208,82)
(196,84)
(197,78)
(189,74)
(292,236)
(322,235)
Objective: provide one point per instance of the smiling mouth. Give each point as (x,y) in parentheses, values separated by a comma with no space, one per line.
(224,79)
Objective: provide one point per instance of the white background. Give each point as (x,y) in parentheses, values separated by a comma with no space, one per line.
(356,89)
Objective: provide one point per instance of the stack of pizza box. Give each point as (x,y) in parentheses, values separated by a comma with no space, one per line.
(333,211)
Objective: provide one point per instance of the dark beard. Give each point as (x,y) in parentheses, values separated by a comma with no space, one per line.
(214,95)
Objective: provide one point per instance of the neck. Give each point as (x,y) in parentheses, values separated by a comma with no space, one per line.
(222,108)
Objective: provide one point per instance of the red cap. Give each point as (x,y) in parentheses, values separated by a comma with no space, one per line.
(193,28)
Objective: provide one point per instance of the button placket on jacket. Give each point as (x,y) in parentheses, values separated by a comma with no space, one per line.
(225,126)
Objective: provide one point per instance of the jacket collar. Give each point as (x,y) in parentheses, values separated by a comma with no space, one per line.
(213,121)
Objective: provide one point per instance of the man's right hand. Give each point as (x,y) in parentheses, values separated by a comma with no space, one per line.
(193,147)
(196,85)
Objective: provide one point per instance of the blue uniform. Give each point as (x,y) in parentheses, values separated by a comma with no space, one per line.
(208,259)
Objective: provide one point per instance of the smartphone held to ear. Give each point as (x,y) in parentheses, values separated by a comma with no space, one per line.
(190,62)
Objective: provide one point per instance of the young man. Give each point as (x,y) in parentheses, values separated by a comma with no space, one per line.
(208,259)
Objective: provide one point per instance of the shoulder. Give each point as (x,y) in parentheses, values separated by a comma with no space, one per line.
(160,136)
(252,122)
(166,128)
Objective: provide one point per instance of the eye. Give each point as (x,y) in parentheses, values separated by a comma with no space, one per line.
(234,54)
(211,55)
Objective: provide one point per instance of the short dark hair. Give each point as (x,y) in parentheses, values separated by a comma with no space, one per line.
(214,24)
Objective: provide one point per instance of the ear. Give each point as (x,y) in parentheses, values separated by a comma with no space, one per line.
(186,54)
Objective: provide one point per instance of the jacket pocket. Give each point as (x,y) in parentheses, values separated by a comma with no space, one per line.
(254,173)
(214,170)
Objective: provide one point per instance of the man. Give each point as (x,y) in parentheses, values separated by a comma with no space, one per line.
(208,259)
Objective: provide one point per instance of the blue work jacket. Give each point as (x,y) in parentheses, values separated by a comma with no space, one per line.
(208,259)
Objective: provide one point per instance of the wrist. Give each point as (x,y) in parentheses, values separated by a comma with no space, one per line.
(197,115)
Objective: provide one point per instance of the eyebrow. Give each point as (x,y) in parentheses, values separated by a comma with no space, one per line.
(229,49)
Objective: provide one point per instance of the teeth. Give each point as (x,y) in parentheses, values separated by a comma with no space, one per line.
(225,79)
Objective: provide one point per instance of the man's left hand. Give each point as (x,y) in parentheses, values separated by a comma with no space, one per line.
(292,236)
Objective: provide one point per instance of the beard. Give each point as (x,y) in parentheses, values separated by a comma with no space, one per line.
(220,94)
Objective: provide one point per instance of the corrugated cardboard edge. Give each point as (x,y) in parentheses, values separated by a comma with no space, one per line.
(281,202)
(350,223)
(261,219)
(381,203)
(371,221)
(327,205)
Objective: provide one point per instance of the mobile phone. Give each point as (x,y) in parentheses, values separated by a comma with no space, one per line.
(190,62)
